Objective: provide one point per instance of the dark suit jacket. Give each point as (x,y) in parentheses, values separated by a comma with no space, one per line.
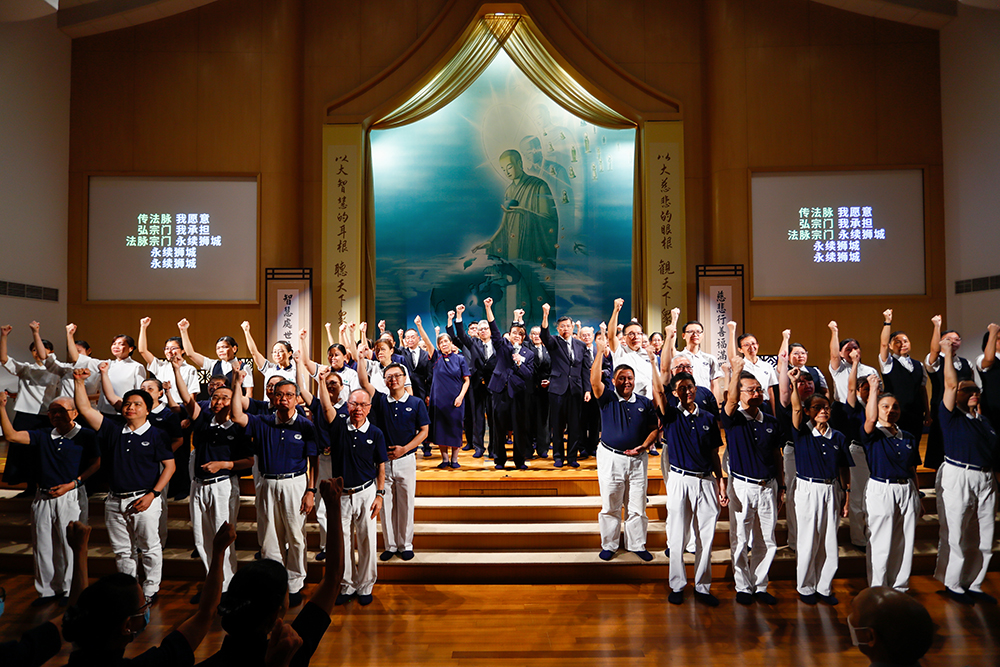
(543,366)
(567,376)
(480,367)
(420,375)
(508,376)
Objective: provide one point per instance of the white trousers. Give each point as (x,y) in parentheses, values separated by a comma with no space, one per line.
(818,515)
(790,481)
(892,521)
(753,511)
(397,508)
(691,499)
(53,557)
(162,526)
(856,512)
(324,470)
(622,479)
(136,531)
(966,502)
(356,521)
(84,501)
(211,506)
(278,503)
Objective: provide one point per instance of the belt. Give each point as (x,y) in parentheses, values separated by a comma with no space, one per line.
(213,480)
(355,489)
(891,480)
(751,480)
(284,475)
(690,473)
(615,451)
(966,466)
(817,480)
(127,494)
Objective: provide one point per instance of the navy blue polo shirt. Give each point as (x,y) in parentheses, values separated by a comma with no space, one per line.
(61,459)
(849,421)
(820,456)
(218,442)
(167,421)
(703,398)
(132,457)
(356,453)
(890,457)
(751,443)
(783,413)
(259,407)
(626,424)
(282,448)
(971,441)
(692,439)
(399,420)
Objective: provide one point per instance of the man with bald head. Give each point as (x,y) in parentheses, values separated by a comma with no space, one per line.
(65,456)
(889,627)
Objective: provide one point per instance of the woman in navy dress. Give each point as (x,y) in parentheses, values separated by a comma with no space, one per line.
(451,381)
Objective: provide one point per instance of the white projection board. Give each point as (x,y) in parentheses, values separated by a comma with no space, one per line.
(837,233)
(156,238)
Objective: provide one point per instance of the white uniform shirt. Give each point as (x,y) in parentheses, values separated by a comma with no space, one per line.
(270,369)
(706,367)
(763,371)
(639,361)
(36,386)
(348,377)
(225,368)
(65,371)
(841,373)
(163,371)
(125,375)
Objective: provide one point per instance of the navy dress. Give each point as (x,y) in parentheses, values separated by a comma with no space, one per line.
(449,374)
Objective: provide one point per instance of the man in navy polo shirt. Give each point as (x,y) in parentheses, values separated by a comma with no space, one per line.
(753,440)
(966,486)
(220,449)
(66,456)
(133,454)
(358,452)
(695,487)
(404,423)
(285,446)
(629,427)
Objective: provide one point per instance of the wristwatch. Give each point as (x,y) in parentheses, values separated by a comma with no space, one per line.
(313,491)
(380,492)
(156,494)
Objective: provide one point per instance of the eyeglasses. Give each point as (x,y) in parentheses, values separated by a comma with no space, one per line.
(394,376)
(141,611)
(352,405)
(284,394)
(758,390)
(825,408)
(856,633)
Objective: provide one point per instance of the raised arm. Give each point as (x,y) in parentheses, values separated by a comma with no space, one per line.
(613,324)
(793,376)
(183,327)
(236,412)
(883,338)
(852,378)
(363,379)
(109,390)
(950,376)
(143,342)
(936,346)
(190,404)
(783,383)
(659,392)
(431,350)
(9,434)
(871,407)
(4,332)
(195,628)
(731,342)
(36,339)
(834,346)
(990,353)
(596,379)
(669,349)
(733,394)
(258,358)
(83,407)
(71,352)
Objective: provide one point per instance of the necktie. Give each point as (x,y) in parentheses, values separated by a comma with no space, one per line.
(569,344)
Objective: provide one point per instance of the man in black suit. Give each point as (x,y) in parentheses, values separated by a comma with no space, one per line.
(569,387)
(538,401)
(481,356)
(508,386)
(417,363)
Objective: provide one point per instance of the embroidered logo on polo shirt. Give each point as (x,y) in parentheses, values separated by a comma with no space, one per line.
(369,441)
(144,443)
(409,409)
(298,436)
(229,437)
(704,427)
(769,430)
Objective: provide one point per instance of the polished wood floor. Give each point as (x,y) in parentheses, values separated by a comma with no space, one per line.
(578,625)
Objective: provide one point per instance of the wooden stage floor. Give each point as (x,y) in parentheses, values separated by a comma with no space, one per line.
(611,624)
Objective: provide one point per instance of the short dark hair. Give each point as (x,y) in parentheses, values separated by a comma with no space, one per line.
(288,346)
(677,379)
(47,344)
(945,333)
(565,318)
(155,380)
(255,593)
(129,341)
(82,343)
(337,346)
(95,618)
(812,399)
(174,339)
(743,337)
(227,339)
(394,364)
(847,341)
(632,323)
(795,345)
(623,367)
(896,333)
(144,395)
(519,325)
(689,323)
(285,383)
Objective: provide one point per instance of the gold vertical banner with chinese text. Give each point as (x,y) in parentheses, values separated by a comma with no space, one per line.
(343,224)
(663,243)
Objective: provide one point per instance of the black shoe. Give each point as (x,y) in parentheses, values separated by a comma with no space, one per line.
(676,597)
(386,555)
(443,465)
(321,556)
(343,599)
(427,453)
(478,454)
(196,598)
(606,554)
(498,466)
(557,463)
(151,599)
(810,599)
(467,448)
(258,555)
(406,555)
(963,598)
(543,455)
(294,599)
(744,598)
(653,452)
(980,596)
(666,552)
(43,601)
(573,464)
(195,554)
(765,597)
(706,599)
(644,555)
(828,599)
(365,600)
(522,467)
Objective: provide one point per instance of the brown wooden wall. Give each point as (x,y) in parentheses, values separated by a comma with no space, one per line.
(242,85)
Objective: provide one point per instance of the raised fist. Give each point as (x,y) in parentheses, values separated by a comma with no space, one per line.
(5,330)
(488,302)
(460,308)
(183,325)
(619,304)
(245,326)
(887,315)
(545,308)
(936,320)
(145,322)
(731,326)
(833,325)
(417,320)
(34,326)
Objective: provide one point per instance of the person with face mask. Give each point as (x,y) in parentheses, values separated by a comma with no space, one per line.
(890,627)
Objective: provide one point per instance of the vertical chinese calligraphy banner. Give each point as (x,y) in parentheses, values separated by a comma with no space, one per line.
(663,243)
(720,300)
(341,276)
(289,305)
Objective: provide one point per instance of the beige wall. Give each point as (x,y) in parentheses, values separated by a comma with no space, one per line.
(243,85)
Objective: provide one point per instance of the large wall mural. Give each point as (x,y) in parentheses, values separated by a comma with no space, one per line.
(502,194)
